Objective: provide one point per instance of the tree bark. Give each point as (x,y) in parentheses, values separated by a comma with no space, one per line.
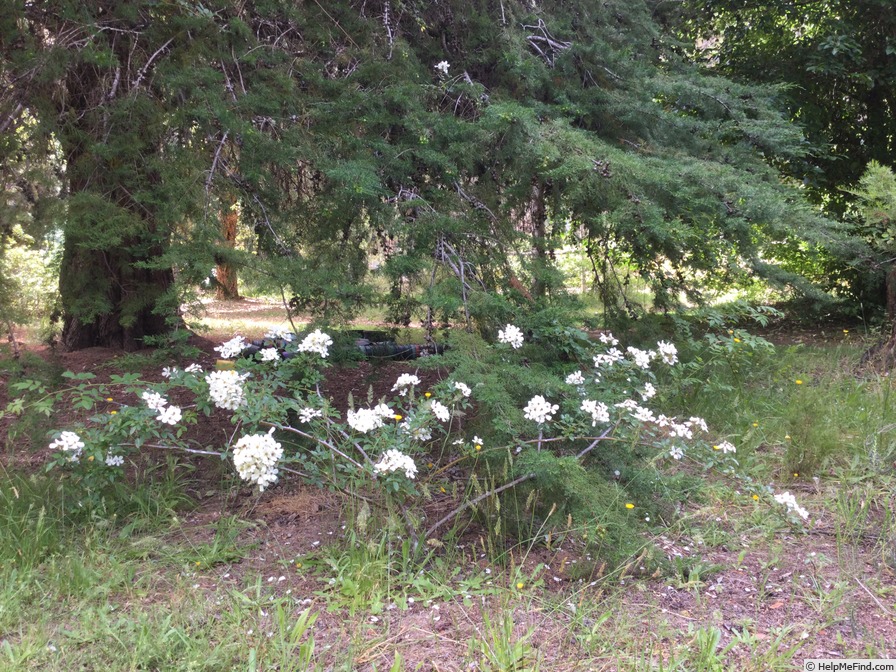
(227,288)
(110,298)
(109,301)
(537,214)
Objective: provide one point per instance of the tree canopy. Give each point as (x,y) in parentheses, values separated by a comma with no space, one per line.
(838,60)
(461,141)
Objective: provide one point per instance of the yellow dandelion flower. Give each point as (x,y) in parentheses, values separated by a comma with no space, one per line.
(756,498)
(798,381)
(109,399)
(519,586)
(716,448)
(755,424)
(90,459)
(198,563)
(429,465)
(846,331)
(787,437)
(113,412)
(736,340)
(441,489)
(629,505)
(397,416)
(427,394)
(796,474)
(478,447)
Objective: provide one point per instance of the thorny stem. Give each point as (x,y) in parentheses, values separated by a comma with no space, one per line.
(327,444)
(342,431)
(475,501)
(184,449)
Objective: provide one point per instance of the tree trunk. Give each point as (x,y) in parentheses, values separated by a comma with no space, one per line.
(227,288)
(110,298)
(110,303)
(882,355)
(537,214)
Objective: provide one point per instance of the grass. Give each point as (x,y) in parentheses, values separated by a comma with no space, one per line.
(742,588)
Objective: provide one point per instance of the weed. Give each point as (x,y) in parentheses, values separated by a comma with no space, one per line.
(497,649)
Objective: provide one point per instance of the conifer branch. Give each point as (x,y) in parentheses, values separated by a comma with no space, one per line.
(11,117)
(142,73)
(211,173)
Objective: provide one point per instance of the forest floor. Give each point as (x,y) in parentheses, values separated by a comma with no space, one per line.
(227,567)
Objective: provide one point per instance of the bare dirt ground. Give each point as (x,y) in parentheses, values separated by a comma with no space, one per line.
(795,591)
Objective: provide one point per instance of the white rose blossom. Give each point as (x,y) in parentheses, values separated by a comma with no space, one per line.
(169,371)
(365,420)
(700,423)
(383,411)
(70,443)
(418,433)
(225,388)
(668,352)
(442,66)
(598,410)
(726,447)
(232,348)
(628,404)
(170,415)
(642,357)
(317,341)
(395,460)
(511,335)
(154,400)
(193,368)
(280,335)
(539,410)
(642,414)
(682,430)
(269,355)
(255,457)
(608,339)
(790,502)
(676,452)
(575,378)
(463,388)
(405,381)
(114,460)
(308,414)
(609,358)
(649,391)
(440,411)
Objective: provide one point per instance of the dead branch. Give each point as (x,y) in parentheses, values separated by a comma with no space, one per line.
(146,66)
(547,46)
(211,173)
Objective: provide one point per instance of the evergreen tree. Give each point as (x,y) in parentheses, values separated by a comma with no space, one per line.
(838,61)
(462,140)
